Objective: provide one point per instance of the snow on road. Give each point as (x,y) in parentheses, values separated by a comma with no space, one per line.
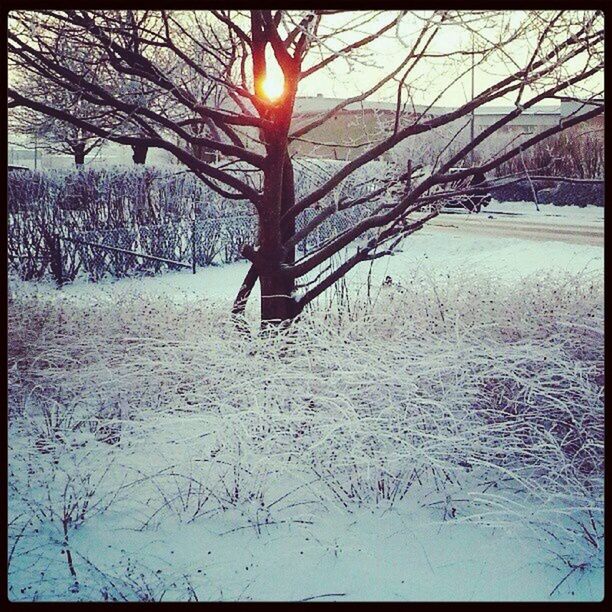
(523,220)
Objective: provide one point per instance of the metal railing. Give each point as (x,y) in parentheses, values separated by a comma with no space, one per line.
(58,266)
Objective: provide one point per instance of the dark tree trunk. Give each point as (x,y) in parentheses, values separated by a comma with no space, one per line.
(277,301)
(274,297)
(79,155)
(288,230)
(139,153)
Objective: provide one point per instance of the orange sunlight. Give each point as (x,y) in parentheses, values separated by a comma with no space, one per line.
(273,86)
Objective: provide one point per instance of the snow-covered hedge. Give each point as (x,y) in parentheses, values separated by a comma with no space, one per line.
(141,209)
(552,192)
(472,398)
(148,210)
(578,152)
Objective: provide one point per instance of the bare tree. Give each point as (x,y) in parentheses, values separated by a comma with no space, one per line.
(211,72)
(55,134)
(51,133)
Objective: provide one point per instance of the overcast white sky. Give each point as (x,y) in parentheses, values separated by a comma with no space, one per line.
(432,76)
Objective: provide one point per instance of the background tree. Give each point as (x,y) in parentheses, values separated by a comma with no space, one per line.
(55,135)
(133,88)
(529,58)
(52,133)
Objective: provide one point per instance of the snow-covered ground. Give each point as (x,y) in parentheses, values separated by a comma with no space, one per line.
(430,252)
(359,556)
(356,467)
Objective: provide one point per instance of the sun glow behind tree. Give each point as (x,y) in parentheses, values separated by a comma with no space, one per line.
(273,82)
(273,86)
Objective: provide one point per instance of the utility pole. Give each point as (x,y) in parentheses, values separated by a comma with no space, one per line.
(473,111)
(35,151)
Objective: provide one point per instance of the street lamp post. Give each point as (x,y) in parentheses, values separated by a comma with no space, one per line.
(472,119)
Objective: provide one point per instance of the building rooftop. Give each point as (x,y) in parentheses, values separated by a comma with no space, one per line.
(320,104)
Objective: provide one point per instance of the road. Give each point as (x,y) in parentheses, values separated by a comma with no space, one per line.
(518,226)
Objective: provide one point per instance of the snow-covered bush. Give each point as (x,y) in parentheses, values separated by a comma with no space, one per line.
(574,153)
(578,194)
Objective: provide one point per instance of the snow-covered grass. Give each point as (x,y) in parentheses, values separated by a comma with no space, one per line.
(439,438)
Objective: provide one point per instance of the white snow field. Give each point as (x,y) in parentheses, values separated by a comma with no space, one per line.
(438,438)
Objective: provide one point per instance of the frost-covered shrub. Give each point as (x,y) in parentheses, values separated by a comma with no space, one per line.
(551,192)
(570,154)
(84,204)
(141,209)
(482,393)
(545,196)
(578,194)
(521,191)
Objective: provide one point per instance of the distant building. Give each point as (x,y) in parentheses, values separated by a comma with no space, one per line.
(531,120)
(353,129)
(593,126)
(349,132)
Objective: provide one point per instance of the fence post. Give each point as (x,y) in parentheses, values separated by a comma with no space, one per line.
(193,245)
(58,261)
